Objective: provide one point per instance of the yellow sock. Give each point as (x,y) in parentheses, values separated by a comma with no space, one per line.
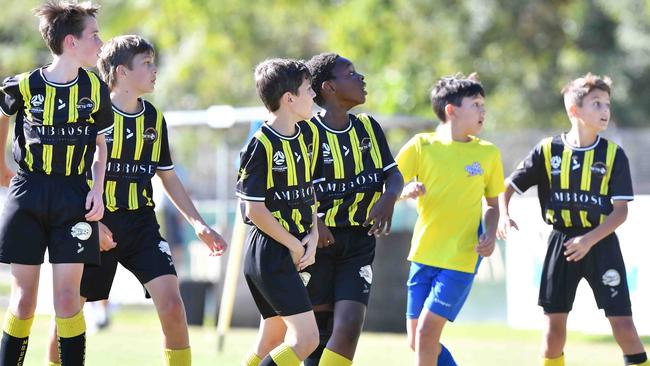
(251,360)
(331,358)
(558,361)
(283,355)
(178,357)
(71,327)
(53,364)
(17,328)
(646,363)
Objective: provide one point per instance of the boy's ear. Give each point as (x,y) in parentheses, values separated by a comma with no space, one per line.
(449,109)
(327,86)
(286,98)
(572,111)
(68,42)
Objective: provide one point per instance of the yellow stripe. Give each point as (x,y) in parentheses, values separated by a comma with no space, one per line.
(68,159)
(73,114)
(372,202)
(111,200)
(296,216)
(268,147)
(118,135)
(609,162)
(282,221)
(546,150)
(133,196)
(602,218)
(292,174)
(584,220)
(305,155)
(23,86)
(315,145)
(335,151)
(47,158)
(585,181)
(139,137)
(550,216)
(566,217)
(29,158)
(353,208)
(149,200)
(565,170)
(330,215)
(374,149)
(155,154)
(83,160)
(358,160)
(48,106)
(95,93)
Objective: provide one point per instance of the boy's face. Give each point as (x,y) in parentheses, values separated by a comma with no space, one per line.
(302,103)
(349,85)
(594,113)
(87,47)
(469,116)
(141,77)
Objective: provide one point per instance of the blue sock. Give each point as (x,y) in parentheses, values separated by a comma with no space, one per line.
(445,358)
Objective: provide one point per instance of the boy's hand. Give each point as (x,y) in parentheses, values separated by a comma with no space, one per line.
(486,244)
(577,248)
(95,204)
(413,190)
(296,255)
(106,242)
(505,225)
(5,175)
(212,239)
(325,236)
(310,242)
(382,215)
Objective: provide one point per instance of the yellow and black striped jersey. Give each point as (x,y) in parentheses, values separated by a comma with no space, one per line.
(350,170)
(56,124)
(277,170)
(575,186)
(138,146)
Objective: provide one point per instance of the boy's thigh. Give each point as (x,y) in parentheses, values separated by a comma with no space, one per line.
(353,267)
(607,277)
(321,282)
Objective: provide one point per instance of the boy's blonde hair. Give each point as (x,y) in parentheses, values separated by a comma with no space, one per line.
(575,91)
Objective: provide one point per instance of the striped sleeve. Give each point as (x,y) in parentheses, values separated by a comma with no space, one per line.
(165,162)
(251,179)
(10,97)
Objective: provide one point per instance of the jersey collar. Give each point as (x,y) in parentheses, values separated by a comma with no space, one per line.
(280,135)
(576,148)
(120,112)
(317,117)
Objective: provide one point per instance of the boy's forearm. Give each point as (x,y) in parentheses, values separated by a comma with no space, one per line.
(394,183)
(99,163)
(491,219)
(4,133)
(611,223)
(179,197)
(504,200)
(264,220)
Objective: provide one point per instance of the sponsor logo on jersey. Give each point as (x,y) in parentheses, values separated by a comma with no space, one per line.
(150,135)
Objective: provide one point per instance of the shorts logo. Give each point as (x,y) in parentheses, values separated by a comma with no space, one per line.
(80,248)
(37,100)
(474,169)
(85,104)
(163,246)
(599,168)
(81,231)
(366,273)
(150,135)
(305,277)
(611,278)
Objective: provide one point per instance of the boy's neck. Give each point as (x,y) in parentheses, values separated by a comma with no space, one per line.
(581,137)
(61,70)
(450,132)
(335,117)
(283,124)
(126,101)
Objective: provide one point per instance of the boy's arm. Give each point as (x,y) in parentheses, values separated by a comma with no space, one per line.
(486,242)
(578,247)
(177,194)
(95,199)
(505,222)
(311,242)
(382,212)
(5,172)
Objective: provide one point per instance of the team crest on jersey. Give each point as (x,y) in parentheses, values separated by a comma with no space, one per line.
(85,104)
(150,135)
(81,231)
(278,162)
(327,154)
(599,168)
(474,169)
(365,144)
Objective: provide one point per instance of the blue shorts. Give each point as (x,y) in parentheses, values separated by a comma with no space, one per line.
(442,291)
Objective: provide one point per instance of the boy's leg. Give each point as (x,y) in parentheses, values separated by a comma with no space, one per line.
(53,354)
(554,338)
(325,321)
(19,314)
(628,339)
(166,297)
(348,321)
(70,322)
(300,340)
(427,343)
(270,335)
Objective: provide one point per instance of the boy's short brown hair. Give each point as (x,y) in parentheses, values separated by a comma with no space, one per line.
(452,89)
(61,18)
(576,90)
(277,76)
(118,51)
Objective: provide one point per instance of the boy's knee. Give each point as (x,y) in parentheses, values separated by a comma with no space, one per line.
(24,305)
(172,310)
(348,331)
(66,302)
(623,326)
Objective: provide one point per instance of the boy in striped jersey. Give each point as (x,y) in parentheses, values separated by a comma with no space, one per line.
(277,197)
(138,149)
(62,113)
(357,183)
(583,184)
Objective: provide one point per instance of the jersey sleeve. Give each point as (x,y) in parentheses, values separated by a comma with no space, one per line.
(10,97)
(529,172)
(408,159)
(494,176)
(104,115)
(387,160)
(620,183)
(165,162)
(253,168)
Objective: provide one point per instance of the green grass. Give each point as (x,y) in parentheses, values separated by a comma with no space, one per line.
(134,339)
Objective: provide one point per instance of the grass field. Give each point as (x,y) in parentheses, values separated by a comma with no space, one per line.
(133,339)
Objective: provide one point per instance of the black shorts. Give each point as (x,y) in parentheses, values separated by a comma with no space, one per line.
(47,212)
(274,282)
(343,270)
(602,267)
(140,249)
